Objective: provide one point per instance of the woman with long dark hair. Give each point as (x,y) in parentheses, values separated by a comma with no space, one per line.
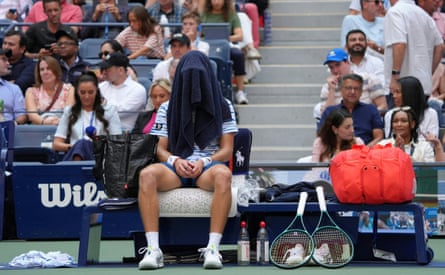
(143,38)
(405,135)
(85,119)
(409,92)
(335,135)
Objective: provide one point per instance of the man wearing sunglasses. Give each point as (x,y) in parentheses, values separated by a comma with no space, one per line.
(68,51)
(370,23)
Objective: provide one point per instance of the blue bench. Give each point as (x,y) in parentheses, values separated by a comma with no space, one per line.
(408,245)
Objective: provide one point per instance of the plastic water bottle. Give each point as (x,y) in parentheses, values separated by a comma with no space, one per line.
(163,20)
(243,245)
(262,245)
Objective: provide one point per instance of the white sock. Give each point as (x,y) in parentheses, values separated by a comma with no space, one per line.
(214,240)
(152,239)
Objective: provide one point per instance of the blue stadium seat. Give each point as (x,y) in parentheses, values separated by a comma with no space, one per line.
(90,47)
(220,53)
(32,142)
(144,67)
(213,31)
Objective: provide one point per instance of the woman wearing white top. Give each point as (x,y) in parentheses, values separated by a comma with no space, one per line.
(84,120)
(409,92)
(406,137)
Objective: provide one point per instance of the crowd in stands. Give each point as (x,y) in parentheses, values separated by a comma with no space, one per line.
(45,62)
(382,77)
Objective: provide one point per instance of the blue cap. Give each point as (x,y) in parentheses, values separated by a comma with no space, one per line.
(336,55)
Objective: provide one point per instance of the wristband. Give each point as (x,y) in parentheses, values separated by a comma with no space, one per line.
(395,72)
(206,161)
(171,160)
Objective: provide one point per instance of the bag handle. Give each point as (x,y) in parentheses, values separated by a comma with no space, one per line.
(55,97)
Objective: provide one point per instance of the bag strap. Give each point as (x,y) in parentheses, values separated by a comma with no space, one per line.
(55,97)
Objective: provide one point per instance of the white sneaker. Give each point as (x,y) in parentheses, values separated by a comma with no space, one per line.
(212,258)
(153,259)
(241,98)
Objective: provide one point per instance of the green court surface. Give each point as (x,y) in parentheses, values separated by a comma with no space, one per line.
(113,251)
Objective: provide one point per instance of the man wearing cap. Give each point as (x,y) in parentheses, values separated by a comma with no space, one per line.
(68,51)
(120,90)
(179,46)
(12,103)
(41,35)
(339,65)
(22,67)
(368,124)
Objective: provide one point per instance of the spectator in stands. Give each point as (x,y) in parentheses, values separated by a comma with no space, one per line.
(111,46)
(68,51)
(190,158)
(335,135)
(14,9)
(355,7)
(368,124)
(50,95)
(69,13)
(120,90)
(439,18)
(22,67)
(85,119)
(251,10)
(369,22)
(41,35)
(404,126)
(172,69)
(413,44)
(168,9)
(159,93)
(222,11)
(361,62)
(409,92)
(331,93)
(191,22)
(179,46)
(105,11)
(143,38)
(11,97)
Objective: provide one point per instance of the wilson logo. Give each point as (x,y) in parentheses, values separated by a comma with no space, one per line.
(63,194)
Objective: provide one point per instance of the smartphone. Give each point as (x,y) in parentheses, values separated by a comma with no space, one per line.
(47,46)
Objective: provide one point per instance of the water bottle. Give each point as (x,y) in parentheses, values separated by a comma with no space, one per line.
(262,245)
(243,245)
(163,20)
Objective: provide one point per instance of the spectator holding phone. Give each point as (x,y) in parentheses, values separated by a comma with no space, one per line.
(14,9)
(41,35)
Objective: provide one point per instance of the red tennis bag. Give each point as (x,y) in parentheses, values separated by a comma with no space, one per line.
(381,174)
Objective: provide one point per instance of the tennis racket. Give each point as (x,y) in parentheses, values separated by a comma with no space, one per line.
(332,246)
(294,246)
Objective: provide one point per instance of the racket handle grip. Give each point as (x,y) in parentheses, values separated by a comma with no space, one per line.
(320,197)
(302,203)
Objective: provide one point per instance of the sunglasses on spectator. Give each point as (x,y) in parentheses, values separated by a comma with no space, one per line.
(377,2)
(403,108)
(104,53)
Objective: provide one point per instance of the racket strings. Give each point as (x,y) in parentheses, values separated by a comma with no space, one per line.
(333,247)
(292,249)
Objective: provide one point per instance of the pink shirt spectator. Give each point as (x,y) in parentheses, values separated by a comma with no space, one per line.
(318,148)
(43,99)
(133,42)
(70,13)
